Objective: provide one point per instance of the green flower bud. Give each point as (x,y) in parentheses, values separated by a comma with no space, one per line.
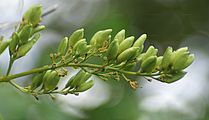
(180,59)
(129,66)
(14,42)
(63,46)
(46,75)
(112,51)
(139,58)
(51,81)
(33,15)
(137,53)
(172,77)
(24,49)
(159,61)
(85,78)
(148,64)
(69,83)
(100,37)
(75,80)
(140,42)
(38,29)
(25,34)
(127,43)
(183,49)
(85,86)
(80,48)
(127,54)
(4,45)
(54,83)
(76,46)
(75,37)
(189,61)
(167,58)
(120,36)
(88,47)
(150,52)
(37,80)
(158,64)
(35,38)
(180,50)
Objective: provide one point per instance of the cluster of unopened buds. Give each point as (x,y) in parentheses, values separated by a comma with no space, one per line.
(104,56)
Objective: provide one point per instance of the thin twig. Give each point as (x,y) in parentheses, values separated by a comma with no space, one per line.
(50,10)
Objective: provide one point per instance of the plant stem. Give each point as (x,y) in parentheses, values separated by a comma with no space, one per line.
(9,77)
(18,87)
(11,82)
(10,65)
(47,67)
(36,70)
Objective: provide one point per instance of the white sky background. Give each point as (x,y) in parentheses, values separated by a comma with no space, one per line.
(158,95)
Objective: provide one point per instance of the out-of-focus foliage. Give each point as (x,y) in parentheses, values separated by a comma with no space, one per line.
(167,22)
(18,106)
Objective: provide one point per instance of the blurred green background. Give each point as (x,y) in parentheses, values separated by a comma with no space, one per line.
(173,23)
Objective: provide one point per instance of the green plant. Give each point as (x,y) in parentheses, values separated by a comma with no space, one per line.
(118,56)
